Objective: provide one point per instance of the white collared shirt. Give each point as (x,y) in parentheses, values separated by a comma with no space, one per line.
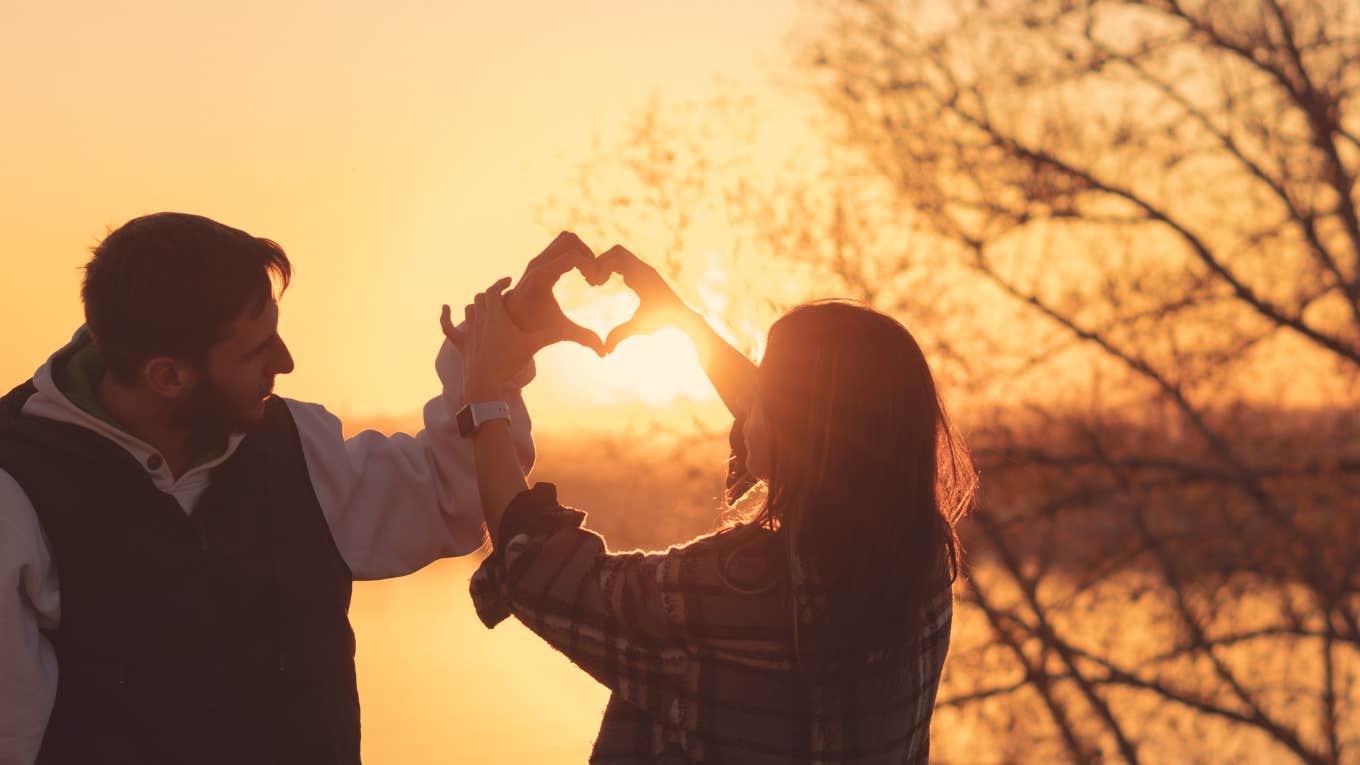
(394,504)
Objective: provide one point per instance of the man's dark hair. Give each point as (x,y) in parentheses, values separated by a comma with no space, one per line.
(170,283)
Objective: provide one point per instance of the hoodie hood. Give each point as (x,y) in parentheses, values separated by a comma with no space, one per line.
(65,391)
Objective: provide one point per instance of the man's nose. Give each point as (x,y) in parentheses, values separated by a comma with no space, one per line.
(285,364)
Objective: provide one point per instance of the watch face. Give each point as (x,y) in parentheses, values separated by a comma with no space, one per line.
(471,416)
(466,426)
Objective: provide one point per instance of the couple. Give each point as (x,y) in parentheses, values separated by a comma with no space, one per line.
(177,546)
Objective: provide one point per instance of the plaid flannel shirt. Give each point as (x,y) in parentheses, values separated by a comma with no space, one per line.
(697,644)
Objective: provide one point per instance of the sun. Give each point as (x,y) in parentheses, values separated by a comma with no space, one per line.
(654,369)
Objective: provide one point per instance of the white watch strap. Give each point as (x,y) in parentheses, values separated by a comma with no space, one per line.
(486,411)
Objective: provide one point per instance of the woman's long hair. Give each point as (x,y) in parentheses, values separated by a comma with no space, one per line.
(867,476)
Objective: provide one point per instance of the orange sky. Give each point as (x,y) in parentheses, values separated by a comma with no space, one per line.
(401,152)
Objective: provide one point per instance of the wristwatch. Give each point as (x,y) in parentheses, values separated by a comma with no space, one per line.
(474,415)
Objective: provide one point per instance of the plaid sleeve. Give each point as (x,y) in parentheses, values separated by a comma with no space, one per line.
(639,623)
(532,516)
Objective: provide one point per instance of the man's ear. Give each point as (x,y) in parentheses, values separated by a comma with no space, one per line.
(168,377)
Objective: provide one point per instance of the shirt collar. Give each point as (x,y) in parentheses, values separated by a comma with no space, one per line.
(66,386)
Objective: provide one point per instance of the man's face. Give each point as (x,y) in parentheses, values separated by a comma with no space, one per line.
(239,376)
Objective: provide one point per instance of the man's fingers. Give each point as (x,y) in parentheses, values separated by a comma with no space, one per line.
(565,240)
(594,273)
(573,333)
(582,336)
(565,252)
(549,271)
(500,285)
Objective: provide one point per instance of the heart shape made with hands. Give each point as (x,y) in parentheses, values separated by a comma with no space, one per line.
(536,305)
(604,313)
(600,302)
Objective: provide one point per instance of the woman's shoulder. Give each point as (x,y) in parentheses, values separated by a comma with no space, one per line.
(744,559)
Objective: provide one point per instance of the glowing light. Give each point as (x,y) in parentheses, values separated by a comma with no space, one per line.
(654,369)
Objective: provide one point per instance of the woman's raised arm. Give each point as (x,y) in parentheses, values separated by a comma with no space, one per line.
(732,374)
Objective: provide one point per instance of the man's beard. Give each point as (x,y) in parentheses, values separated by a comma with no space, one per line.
(208,414)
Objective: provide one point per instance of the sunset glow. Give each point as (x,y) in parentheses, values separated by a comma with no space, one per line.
(404,155)
(1122,236)
(653,369)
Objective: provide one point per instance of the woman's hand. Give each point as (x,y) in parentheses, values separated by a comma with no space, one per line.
(732,374)
(494,348)
(658,305)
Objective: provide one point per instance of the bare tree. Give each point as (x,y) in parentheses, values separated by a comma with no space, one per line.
(1168,191)
(1127,232)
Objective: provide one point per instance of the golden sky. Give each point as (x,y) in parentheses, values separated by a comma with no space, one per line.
(401,152)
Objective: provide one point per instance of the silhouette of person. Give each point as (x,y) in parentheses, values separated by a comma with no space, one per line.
(177,544)
(814,632)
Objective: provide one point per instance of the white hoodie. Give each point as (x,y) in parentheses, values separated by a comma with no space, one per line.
(394,504)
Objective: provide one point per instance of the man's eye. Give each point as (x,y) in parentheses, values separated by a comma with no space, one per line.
(264,346)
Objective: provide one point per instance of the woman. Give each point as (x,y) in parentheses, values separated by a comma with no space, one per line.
(814,632)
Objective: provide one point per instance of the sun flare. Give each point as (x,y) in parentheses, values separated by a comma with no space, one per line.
(652,369)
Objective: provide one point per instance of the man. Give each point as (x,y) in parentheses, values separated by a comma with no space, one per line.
(177,545)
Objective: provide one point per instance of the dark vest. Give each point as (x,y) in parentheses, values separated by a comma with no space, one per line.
(216,637)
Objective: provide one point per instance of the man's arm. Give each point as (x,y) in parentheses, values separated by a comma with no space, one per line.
(29,602)
(397,503)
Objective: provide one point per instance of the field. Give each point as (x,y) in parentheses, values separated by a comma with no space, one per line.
(437,686)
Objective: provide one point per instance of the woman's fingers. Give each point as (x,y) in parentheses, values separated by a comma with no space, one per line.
(618,334)
(494,303)
(498,325)
(640,277)
(454,334)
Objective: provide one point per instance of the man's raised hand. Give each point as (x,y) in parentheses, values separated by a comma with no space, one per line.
(534,308)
